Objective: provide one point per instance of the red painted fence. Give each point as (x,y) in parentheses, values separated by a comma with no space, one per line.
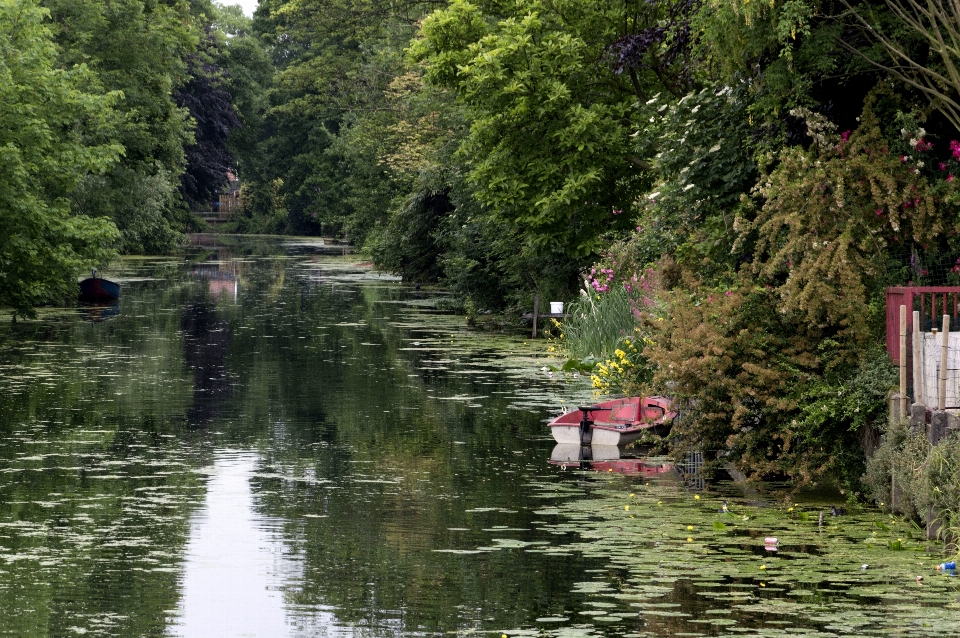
(932,301)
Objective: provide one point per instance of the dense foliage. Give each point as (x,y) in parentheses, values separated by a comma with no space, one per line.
(731,184)
(49,122)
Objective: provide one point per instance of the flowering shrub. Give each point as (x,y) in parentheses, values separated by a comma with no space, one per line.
(759,387)
(604,324)
(829,217)
(625,369)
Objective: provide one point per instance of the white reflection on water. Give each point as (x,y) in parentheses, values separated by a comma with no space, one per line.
(237,565)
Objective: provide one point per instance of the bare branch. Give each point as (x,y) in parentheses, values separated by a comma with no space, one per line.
(938,23)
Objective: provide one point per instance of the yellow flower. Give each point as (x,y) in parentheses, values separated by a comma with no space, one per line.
(696,497)
(689,527)
(626,507)
(763,566)
(689,540)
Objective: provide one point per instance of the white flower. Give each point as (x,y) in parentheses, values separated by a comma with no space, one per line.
(688,187)
(653,195)
(714,148)
(919,164)
(913,141)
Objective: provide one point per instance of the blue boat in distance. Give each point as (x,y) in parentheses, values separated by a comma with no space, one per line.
(98,290)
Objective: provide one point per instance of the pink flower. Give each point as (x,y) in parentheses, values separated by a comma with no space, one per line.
(845,136)
(955,149)
(879,212)
(903,158)
(923,145)
(950,178)
(729,293)
(943,166)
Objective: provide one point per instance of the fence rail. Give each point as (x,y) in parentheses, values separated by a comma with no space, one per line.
(932,302)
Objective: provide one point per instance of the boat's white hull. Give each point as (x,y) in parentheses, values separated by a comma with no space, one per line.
(567,453)
(601,435)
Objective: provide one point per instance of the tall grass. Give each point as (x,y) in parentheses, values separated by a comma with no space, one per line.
(597,324)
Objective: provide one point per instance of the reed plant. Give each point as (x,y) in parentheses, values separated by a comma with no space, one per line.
(598,323)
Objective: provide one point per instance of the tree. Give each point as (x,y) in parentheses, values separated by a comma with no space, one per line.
(549,145)
(139,49)
(49,121)
(214,117)
(922,42)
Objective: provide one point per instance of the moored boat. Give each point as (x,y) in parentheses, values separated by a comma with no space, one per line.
(98,290)
(616,422)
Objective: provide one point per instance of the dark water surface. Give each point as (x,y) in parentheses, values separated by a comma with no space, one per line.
(266,440)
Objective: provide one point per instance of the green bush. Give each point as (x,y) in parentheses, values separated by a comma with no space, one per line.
(927,478)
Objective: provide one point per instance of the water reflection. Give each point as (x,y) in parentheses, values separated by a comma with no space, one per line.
(95,313)
(222,276)
(238,565)
(610,458)
(206,342)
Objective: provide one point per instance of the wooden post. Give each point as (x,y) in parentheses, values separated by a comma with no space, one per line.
(536,310)
(944,342)
(904,400)
(918,385)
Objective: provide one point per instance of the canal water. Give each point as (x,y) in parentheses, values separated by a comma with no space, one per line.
(267,438)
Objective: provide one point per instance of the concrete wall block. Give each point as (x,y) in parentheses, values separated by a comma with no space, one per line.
(938,426)
(918,417)
(894,403)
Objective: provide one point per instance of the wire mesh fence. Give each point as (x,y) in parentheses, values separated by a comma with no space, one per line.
(915,268)
(928,354)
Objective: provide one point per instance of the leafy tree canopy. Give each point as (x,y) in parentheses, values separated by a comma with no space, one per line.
(50,124)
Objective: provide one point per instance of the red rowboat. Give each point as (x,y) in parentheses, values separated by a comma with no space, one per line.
(616,422)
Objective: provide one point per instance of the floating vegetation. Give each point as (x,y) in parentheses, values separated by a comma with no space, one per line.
(672,553)
(399,464)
